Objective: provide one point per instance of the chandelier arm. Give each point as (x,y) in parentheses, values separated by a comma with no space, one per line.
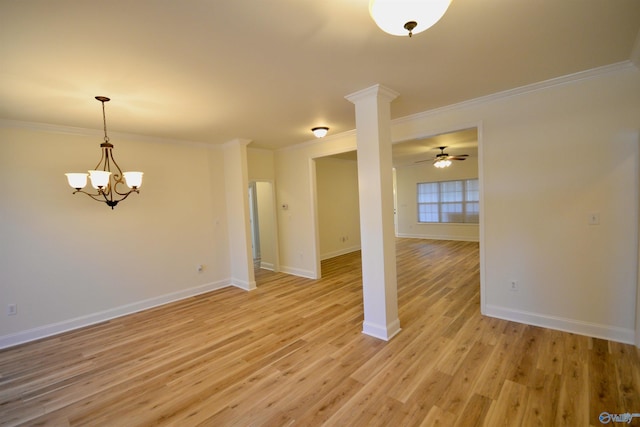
(102,197)
(103,151)
(118,177)
(95,197)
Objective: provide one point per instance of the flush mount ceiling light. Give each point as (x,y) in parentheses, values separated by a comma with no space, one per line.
(407,17)
(320,131)
(103,180)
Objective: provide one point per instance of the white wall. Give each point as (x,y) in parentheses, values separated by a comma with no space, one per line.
(550,155)
(260,164)
(67,260)
(548,159)
(338,210)
(295,178)
(407,179)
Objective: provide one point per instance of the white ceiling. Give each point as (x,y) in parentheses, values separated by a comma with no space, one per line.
(268,71)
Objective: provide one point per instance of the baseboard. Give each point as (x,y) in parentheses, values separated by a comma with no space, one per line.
(594,330)
(381,331)
(103,316)
(438,237)
(339,252)
(267,266)
(298,272)
(243,284)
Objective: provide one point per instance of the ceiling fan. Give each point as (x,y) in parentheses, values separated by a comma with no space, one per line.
(443,160)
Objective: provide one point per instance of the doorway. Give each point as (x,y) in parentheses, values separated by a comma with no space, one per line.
(263,225)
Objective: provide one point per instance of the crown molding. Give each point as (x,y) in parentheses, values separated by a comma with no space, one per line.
(70,130)
(558,81)
(318,141)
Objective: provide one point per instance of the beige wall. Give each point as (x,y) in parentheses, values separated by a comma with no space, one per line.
(550,156)
(338,210)
(545,164)
(67,260)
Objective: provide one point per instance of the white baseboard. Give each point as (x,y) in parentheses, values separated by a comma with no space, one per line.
(339,252)
(243,284)
(438,237)
(594,330)
(102,316)
(267,266)
(298,272)
(381,332)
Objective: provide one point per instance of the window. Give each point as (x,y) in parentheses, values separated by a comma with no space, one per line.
(449,201)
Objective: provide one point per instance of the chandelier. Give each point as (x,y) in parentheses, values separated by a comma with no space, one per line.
(407,17)
(105,181)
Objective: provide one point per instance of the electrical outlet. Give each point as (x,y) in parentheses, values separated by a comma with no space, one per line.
(12,309)
(513,286)
(200,267)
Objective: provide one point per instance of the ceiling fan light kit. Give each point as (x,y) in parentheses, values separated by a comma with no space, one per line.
(442,163)
(407,17)
(443,160)
(102,178)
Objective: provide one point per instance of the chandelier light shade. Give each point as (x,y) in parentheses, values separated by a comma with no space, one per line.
(320,132)
(106,178)
(407,17)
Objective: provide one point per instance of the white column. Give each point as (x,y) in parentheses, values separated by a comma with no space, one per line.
(375,182)
(236,182)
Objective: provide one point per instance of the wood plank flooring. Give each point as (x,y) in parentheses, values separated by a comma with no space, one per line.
(292,353)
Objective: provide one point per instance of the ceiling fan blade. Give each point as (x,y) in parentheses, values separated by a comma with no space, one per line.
(461,157)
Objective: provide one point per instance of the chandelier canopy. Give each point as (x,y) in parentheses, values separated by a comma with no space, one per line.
(105,181)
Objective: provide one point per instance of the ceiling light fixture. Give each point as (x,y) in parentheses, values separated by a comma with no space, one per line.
(102,179)
(407,17)
(442,163)
(320,131)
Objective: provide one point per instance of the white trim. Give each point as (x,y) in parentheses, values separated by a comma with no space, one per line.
(298,272)
(481,235)
(381,332)
(315,218)
(568,79)
(339,252)
(319,141)
(438,237)
(267,266)
(595,330)
(243,284)
(99,134)
(378,90)
(103,316)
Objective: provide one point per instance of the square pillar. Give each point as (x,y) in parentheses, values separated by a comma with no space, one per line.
(375,183)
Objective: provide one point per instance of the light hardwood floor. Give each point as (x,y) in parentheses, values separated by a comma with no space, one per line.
(292,353)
